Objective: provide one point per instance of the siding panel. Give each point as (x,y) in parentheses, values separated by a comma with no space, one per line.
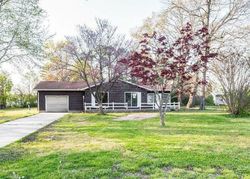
(116,94)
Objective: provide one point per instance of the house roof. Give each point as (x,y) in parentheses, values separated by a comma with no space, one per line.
(150,88)
(61,85)
(79,86)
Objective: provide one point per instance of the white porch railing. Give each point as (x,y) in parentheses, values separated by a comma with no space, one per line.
(114,106)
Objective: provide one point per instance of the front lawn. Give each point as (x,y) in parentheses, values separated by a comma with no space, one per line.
(192,145)
(7,115)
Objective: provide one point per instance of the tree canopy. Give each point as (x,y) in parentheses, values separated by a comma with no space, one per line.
(22,31)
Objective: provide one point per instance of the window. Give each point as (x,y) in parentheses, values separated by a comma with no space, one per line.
(150,98)
(153,98)
(105,98)
(133,99)
(165,98)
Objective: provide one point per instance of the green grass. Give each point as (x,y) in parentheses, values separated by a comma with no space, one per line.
(192,145)
(7,115)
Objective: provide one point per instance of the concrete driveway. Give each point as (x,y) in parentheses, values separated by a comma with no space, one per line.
(16,130)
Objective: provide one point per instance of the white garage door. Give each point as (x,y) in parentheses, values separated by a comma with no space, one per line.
(57,103)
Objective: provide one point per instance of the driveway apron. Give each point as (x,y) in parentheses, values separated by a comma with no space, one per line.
(17,129)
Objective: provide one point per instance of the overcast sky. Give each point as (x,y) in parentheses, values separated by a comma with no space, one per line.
(65,15)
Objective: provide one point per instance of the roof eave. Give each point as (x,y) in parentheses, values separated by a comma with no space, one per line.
(59,89)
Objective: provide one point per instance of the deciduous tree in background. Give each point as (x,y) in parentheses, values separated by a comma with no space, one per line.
(22,33)
(95,55)
(227,22)
(220,17)
(56,68)
(233,75)
(158,63)
(5,88)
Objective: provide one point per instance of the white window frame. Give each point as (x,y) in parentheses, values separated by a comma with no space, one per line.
(93,102)
(156,97)
(138,97)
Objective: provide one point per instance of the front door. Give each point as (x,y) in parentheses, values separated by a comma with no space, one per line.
(132,99)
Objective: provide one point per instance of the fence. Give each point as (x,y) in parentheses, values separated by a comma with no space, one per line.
(143,106)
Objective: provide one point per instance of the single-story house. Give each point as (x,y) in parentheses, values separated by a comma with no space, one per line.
(55,96)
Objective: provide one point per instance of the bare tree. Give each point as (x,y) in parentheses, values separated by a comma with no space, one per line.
(221,17)
(95,55)
(233,73)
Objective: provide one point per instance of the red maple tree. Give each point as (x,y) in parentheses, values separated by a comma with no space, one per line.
(159,63)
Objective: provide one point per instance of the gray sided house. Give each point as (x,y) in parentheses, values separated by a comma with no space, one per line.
(54,96)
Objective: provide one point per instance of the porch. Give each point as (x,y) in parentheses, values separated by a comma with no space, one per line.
(115,107)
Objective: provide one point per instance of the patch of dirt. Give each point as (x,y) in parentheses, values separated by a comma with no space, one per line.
(190,168)
(218,171)
(137,175)
(136,117)
(30,138)
(167,169)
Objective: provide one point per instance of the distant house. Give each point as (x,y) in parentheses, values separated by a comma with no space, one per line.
(56,96)
(218,99)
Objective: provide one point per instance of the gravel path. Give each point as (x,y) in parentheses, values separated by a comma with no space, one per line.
(136,117)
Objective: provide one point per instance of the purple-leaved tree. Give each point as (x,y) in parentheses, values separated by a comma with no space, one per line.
(158,63)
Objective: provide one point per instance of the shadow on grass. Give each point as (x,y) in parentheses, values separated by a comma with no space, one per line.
(11,154)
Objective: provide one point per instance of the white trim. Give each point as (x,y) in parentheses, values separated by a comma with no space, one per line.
(56,95)
(38,102)
(92,100)
(93,103)
(138,98)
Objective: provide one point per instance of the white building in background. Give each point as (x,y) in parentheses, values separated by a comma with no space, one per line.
(218,99)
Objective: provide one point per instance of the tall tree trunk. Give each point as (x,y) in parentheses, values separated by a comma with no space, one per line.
(204,77)
(101,110)
(180,98)
(203,90)
(193,92)
(190,103)
(162,113)
(162,117)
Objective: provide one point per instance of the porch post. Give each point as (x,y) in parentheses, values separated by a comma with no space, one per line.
(85,107)
(113,106)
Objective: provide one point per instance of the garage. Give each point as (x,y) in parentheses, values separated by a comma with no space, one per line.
(57,103)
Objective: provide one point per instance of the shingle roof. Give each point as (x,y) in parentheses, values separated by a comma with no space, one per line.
(61,85)
(79,86)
